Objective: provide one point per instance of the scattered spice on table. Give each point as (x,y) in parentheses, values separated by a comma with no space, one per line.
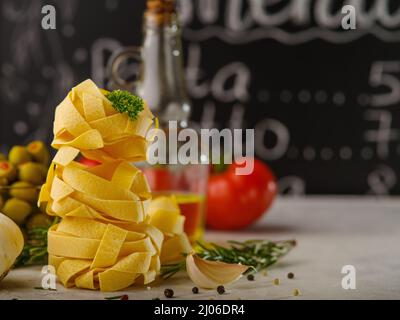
(296,292)
(168,293)
(221,289)
(277,282)
(195,290)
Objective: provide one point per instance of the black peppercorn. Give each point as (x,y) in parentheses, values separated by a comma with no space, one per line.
(169,293)
(250,277)
(290,275)
(221,289)
(195,290)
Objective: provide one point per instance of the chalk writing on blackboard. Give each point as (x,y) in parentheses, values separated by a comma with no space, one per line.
(384,134)
(292,185)
(246,21)
(381,180)
(387,74)
(250,64)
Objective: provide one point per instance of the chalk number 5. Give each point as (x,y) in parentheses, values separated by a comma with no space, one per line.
(383,76)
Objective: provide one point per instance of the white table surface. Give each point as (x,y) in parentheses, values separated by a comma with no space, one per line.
(331,232)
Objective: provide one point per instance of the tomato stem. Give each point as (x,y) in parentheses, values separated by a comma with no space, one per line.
(219,168)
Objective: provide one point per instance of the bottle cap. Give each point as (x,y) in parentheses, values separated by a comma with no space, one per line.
(160,11)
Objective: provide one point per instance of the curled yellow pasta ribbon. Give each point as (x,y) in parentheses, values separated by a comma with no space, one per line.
(102,242)
(111,234)
(82,250)
(113,192)
(86,120)
(164,213)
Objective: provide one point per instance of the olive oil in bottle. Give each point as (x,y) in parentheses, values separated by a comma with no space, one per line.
(161,83)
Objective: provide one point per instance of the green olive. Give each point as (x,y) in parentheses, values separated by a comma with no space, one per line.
(38,220)
(34,173)
(7,170)
(19,155)
(3,182)
(17,210)
(24,191)
(39,152)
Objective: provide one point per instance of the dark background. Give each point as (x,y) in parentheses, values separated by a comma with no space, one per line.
(324,102)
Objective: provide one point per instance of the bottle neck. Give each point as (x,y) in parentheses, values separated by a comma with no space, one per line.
(162,82)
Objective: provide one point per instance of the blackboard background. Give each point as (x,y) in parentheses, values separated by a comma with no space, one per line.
(310,102)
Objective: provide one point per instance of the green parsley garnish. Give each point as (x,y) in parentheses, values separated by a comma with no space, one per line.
(126,102)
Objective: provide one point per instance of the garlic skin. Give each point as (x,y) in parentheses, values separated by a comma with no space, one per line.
(11,244)
(211,274)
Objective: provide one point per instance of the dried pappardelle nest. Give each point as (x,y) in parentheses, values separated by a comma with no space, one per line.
(87,120)
(106,239)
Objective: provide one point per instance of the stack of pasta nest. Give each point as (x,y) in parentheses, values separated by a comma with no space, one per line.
(111,233)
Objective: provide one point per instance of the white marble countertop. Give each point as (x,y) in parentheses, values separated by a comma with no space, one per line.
(331,232)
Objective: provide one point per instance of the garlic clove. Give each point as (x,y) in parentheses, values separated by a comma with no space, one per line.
(211,274)
(197,276)
(220,270)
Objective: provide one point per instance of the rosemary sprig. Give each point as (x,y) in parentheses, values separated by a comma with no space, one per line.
(115,297)
(257,254)
(168,270)
(35,248)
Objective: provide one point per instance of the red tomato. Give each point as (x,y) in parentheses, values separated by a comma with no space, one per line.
(88,162)
(236,201)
